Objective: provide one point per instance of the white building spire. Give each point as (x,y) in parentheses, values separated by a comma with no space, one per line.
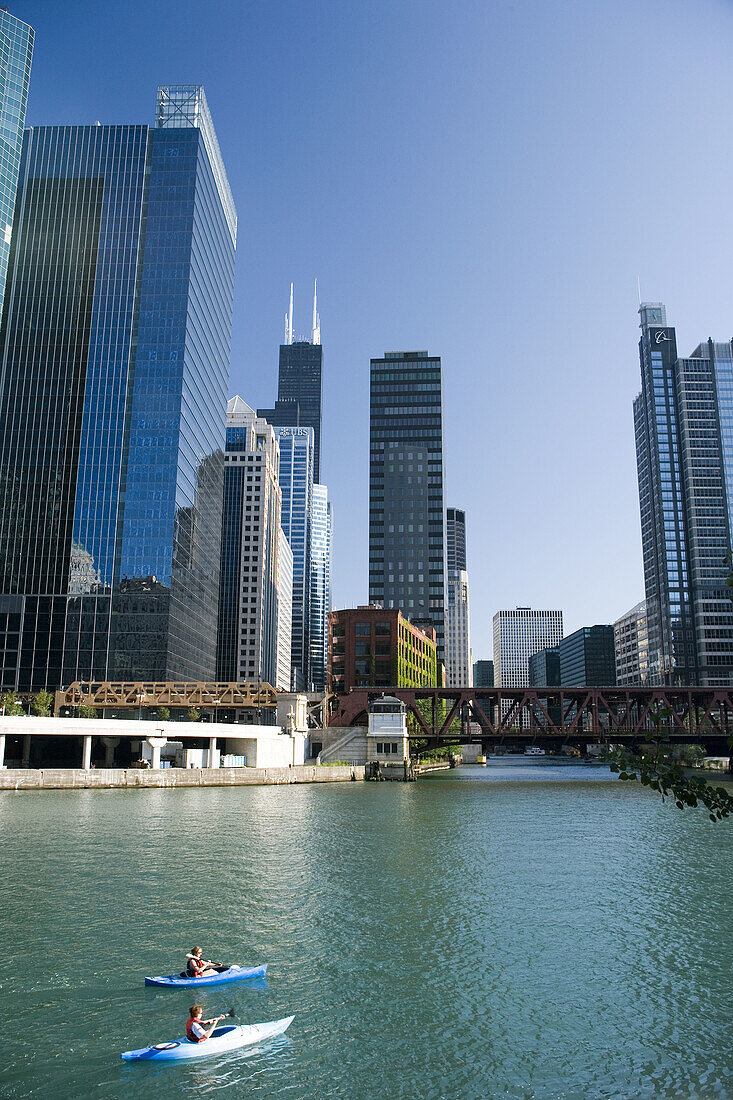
(289,320)
(316,318)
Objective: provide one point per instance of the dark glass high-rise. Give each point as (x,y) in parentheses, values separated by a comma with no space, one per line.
(406,478)
(115,339)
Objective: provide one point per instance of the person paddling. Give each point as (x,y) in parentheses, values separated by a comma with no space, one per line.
(196,1026)
(197,967)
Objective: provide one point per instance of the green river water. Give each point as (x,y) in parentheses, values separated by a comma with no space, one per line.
(527,932)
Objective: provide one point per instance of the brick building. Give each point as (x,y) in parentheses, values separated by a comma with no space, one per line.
(378,647)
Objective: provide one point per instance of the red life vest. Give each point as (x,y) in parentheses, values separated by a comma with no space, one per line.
(189,1033)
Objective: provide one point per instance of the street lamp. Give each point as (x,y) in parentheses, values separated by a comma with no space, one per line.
(140,697)
(216,710)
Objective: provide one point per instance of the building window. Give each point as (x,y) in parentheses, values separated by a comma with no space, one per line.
(382,629)
(362,629)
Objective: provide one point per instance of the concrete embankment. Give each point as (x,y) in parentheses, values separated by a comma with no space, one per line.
(438,766)
(63,779)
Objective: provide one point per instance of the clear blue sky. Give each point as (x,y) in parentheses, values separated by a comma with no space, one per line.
(484,180)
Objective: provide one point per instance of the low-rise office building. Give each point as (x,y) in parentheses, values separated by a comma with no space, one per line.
(379,647)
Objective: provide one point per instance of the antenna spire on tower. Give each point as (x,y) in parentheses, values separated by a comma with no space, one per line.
(289,320)
(316,318)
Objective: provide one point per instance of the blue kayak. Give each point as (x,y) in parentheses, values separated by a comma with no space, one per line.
(222,1039)
(232,974)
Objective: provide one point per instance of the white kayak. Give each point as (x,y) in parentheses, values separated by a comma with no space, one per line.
(223,1039)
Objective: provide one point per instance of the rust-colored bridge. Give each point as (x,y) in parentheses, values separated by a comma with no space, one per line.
(624,714)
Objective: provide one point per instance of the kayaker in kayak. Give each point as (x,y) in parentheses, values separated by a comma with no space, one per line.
(195,1030)
(196,967)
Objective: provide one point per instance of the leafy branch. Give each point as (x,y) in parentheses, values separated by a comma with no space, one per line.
(653,770)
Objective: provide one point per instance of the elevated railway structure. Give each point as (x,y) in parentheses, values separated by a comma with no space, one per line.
(183,694)
(623,715)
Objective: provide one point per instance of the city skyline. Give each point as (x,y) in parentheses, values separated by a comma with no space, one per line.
(401,263)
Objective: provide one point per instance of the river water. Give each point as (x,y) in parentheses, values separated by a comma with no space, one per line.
(527,932)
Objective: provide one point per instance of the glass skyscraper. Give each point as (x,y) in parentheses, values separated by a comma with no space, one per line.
(296,483)
(115,344)
(299,390)
(406,479)
(16,52)
(320,593)
(684,444)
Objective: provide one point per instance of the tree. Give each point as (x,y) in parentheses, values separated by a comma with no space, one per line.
(41,703)
(86,711)
(654,769)
(9,704)
(164,714)
(670,779)
(193,714)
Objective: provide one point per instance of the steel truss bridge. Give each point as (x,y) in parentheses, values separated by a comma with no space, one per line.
(564,715)
(178,693)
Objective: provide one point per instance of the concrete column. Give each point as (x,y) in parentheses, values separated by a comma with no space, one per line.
(87,754)
(26,749)
(110,744)
(156,744)
(212,750)
(2,750)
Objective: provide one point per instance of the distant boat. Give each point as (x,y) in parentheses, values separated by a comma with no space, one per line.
(534,750)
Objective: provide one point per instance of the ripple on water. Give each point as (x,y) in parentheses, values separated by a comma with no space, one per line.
(468,936)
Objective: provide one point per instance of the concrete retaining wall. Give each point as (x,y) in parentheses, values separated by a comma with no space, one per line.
(63,779)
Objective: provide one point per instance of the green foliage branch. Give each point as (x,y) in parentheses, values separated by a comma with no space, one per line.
(41,703)
(9,704)
(655,770)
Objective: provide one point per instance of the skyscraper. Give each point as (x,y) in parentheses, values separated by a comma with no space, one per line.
(588,658)
(115,344)
(455,539)
(459,666)
(299,392)
(631,644)
(483,674)
(296,483)
(406,509)
(251,589)
(518,635)
(320,593)
(16,52)
(684,443)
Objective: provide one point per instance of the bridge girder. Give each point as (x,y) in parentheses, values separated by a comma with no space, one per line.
(553,713)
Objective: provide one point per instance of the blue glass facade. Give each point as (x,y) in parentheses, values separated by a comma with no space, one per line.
(16,52)
(116,345)
(320,592)
(684,437)
(296,483)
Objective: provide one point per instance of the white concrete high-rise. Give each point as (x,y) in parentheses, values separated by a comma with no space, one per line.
(320,591)
(458,660)
(283,675)
(518,635)
(631,640)
(254,597)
